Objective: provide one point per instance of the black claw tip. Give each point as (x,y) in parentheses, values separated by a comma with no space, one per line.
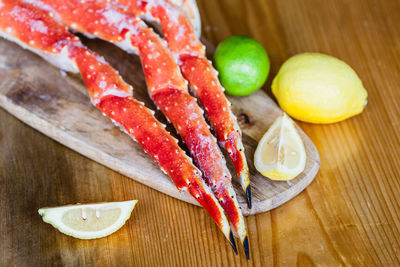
(248,194)
(246,248)
(233,244)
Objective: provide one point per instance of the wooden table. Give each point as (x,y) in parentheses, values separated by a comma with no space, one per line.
(348,216)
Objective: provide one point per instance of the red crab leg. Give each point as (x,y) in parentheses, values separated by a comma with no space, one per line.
(203,79)
(38,31)
(165,84)
(201,75)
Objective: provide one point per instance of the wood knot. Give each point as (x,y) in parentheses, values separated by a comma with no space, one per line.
(243,119)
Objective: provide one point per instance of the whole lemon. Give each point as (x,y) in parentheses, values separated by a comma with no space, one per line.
(318,88)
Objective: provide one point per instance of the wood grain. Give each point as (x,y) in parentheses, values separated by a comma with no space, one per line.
(349,215)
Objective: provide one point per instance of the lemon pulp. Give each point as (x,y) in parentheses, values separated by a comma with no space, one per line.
(280,154)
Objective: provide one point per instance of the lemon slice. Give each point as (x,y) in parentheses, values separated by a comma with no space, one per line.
(280,155)
(89,221)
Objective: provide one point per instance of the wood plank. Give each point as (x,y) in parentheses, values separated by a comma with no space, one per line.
(58,106)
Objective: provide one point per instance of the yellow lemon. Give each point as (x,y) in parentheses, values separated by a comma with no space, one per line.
(318,88)
(280,154)
(89,221)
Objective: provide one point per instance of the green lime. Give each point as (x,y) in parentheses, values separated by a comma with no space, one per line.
(243,65)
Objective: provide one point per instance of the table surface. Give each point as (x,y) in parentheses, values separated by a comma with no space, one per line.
(350,214)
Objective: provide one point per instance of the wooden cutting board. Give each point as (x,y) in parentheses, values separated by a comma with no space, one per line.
(57,104)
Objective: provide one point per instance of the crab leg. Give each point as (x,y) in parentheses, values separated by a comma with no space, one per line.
(165,84)
(37,31)
(201,75)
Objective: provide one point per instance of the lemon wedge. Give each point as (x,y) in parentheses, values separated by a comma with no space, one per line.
(280,154)
(89,221)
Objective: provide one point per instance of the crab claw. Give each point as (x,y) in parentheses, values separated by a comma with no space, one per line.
(226,196)
(233,144)
(246,247)
(248,196)
(201,192)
